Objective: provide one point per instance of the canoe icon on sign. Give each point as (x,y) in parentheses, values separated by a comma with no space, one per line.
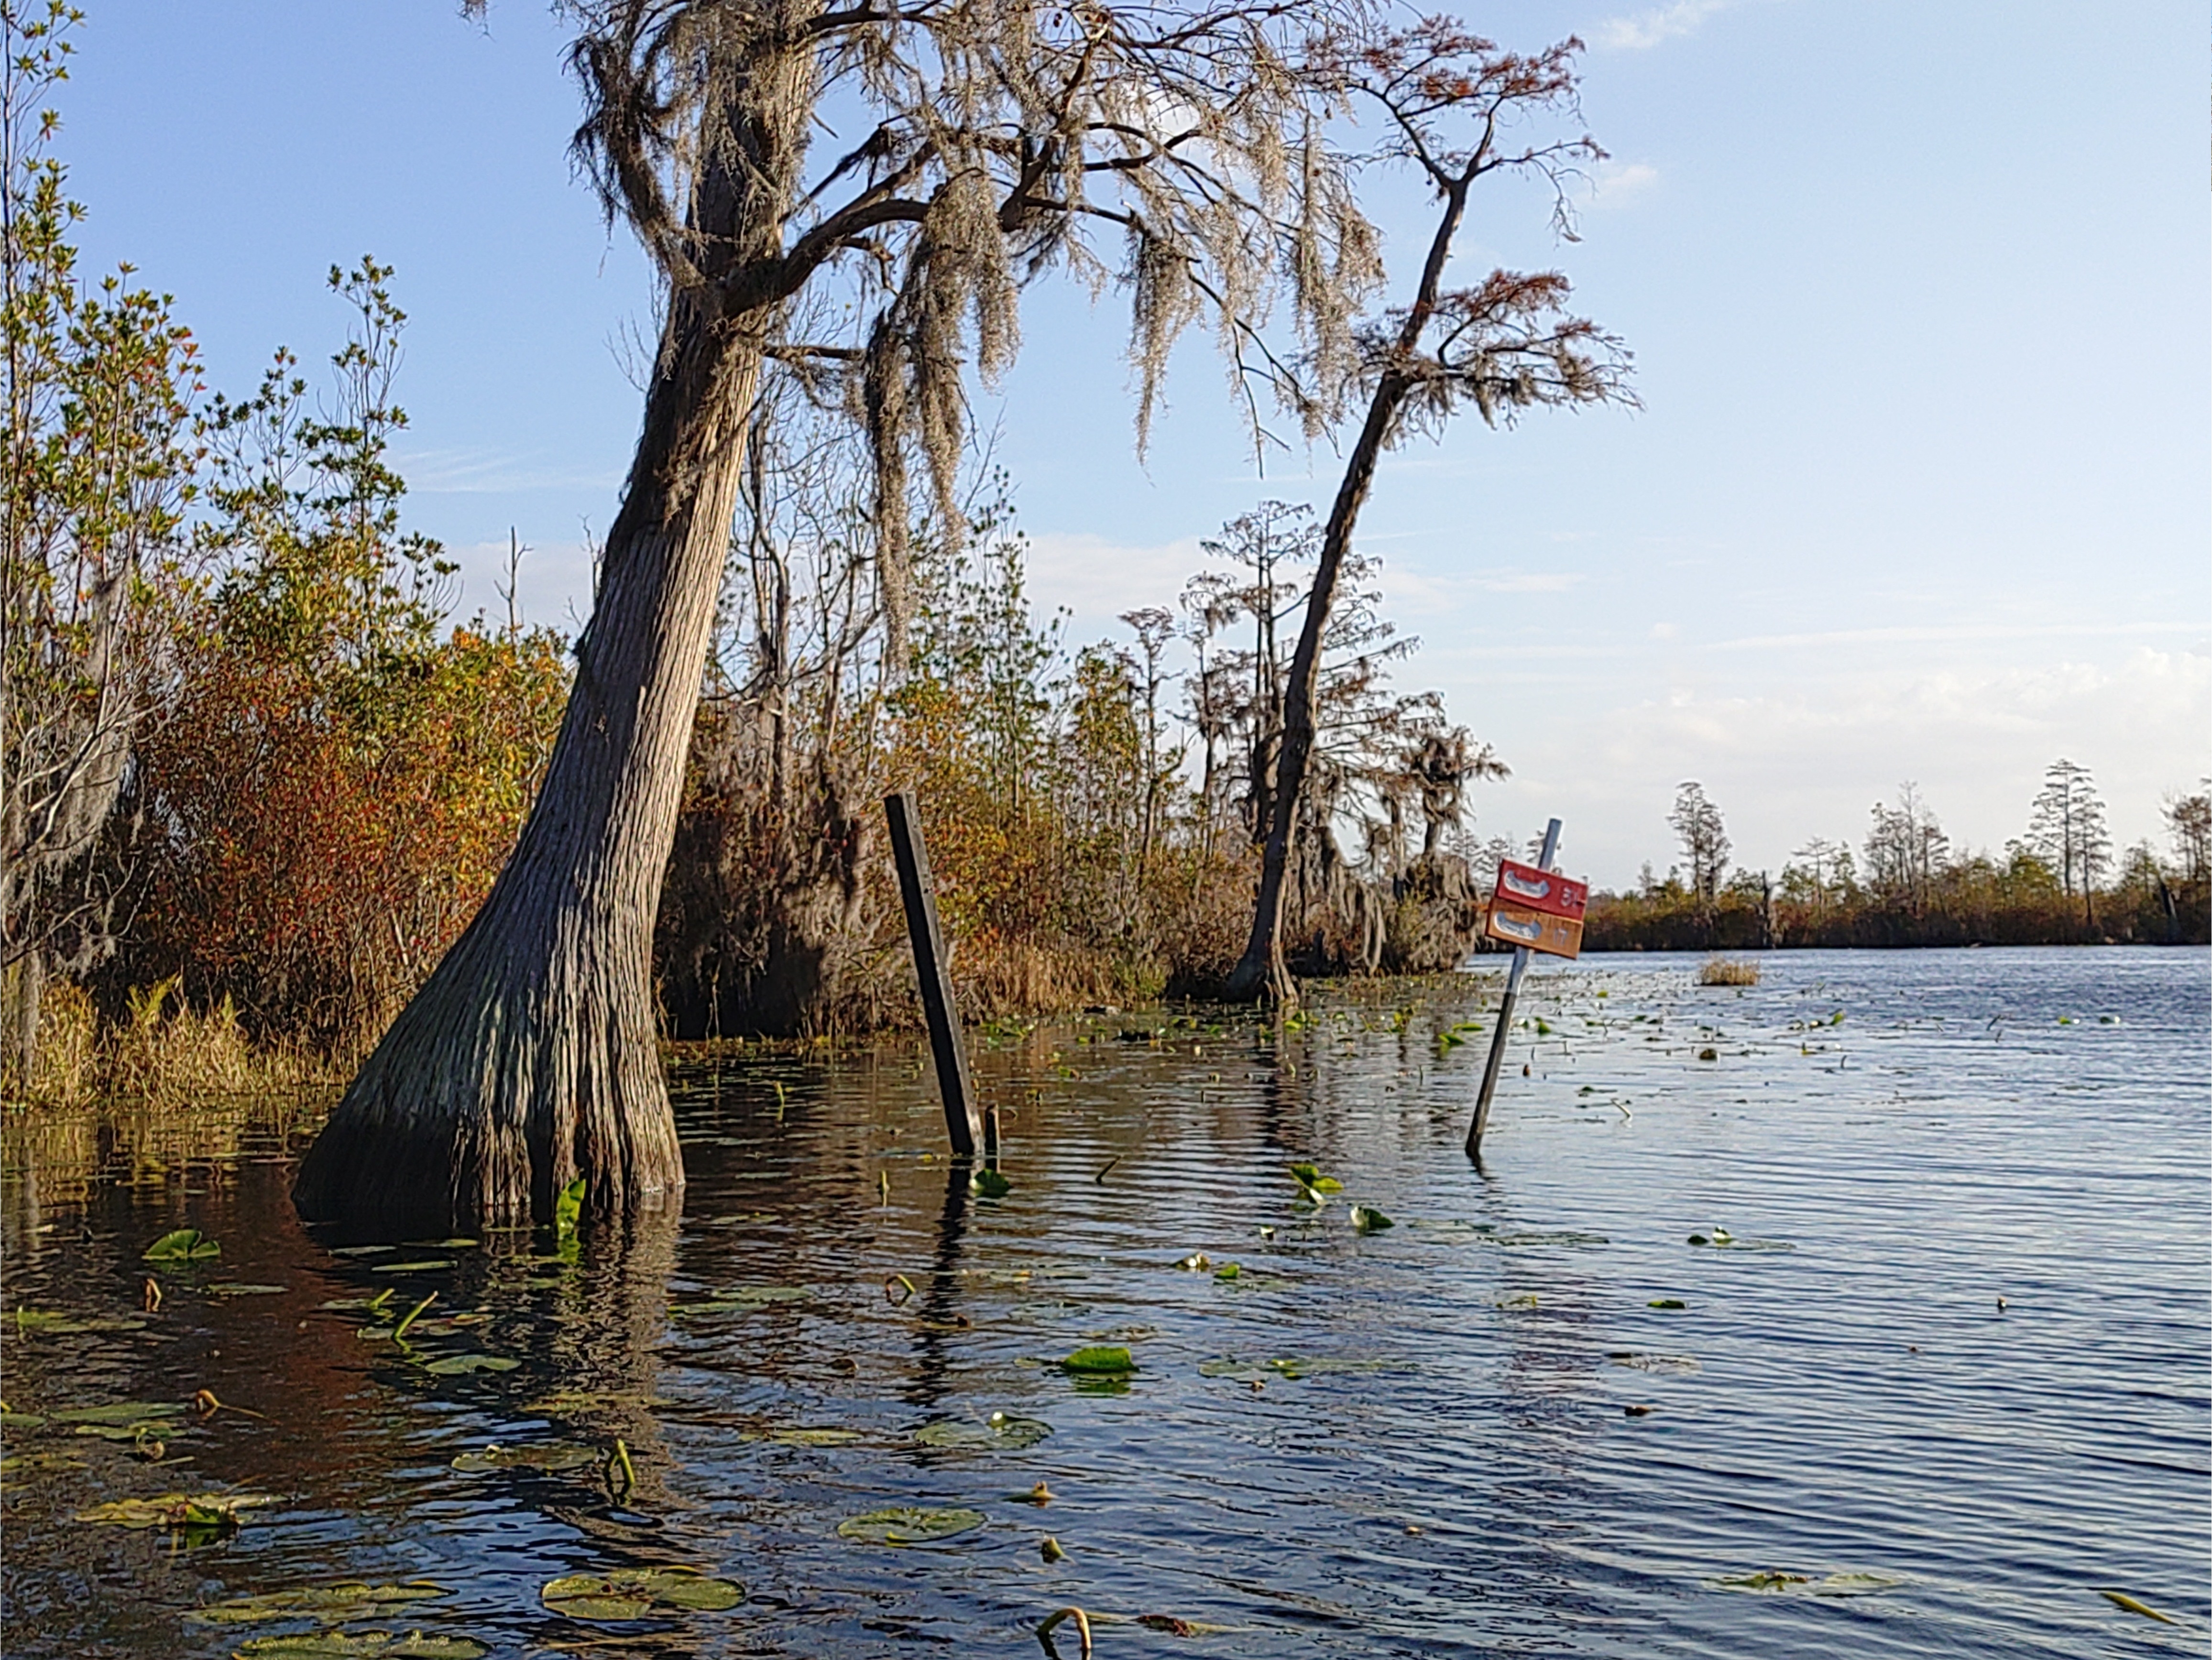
(1524,928)
(1521,887)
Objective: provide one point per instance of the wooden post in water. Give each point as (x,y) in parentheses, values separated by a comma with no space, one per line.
(962,1121)
(1506,1014)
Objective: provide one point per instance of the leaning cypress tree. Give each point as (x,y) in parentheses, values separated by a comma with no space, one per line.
(1173,147)
(1456,110)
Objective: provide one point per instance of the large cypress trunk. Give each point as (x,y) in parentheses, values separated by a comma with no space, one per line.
(531,1057)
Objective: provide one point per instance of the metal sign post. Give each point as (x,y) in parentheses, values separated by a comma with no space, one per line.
(1513,926)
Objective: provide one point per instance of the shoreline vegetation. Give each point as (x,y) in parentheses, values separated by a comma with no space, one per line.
(257,775)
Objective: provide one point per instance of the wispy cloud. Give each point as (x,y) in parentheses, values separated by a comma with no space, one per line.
(491,472)
(1646,29)
(1616,183)
(1527,581)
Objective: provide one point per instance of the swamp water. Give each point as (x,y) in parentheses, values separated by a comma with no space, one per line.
(1419,1439)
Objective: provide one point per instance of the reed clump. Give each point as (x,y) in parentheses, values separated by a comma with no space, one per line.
(160,1052)
(1728,971)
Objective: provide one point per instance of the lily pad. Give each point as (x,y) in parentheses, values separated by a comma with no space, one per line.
(547,1456)
(990,1184)
(1770,1580)
(206,1512)
(365,1645)
(1367,1220)
(144,1428)
(349,1601)
(1309,1177)
(635,1593)
(1666,1303)
(1294,1366)
(31,1320)
(1679,1363)
(1099,1360)
(911,1527)
(739,1300)
(239,1288)
(118,1411)
(576,1403)
(800,1435)
(454,1366)
(183,1245)
(427,1265)
(1000,1432)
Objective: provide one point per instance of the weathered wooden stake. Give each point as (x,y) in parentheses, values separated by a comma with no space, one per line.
(962,1121)
(1506,1014)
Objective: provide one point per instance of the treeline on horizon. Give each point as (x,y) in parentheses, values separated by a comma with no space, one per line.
(2058,883)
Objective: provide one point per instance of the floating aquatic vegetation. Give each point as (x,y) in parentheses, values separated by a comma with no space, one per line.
(195,1517)
(551,1456)
(1721,1239)
(364,1645)
(1773,1582)
(1313,1186)
(141,1430)
(183,1245)
(239,1288)
(1636,1360)
(118,1411)
(575,1403)
(1295,1366)
(1666,1303)
(1048,1548)
(427,1265)
(989,1184)
(999,1433)
(1368,1220)
(739,1300)
(349,1601)
(31,1322)
(2120,1599)
(806,1435)
(454,1365)
(1196,1263)
(637,1593)
(1488,1233)
(1099,1359)
(906,1526)
(377,1301)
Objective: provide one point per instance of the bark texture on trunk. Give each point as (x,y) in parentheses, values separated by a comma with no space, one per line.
(531,1057)
(1261,974)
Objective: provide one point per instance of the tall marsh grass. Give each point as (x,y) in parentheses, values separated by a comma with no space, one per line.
(1728,971)
(163,1052)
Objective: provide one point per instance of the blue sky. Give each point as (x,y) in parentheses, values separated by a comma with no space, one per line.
(1918,295)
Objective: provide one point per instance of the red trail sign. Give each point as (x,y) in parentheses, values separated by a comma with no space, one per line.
(1540,909)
